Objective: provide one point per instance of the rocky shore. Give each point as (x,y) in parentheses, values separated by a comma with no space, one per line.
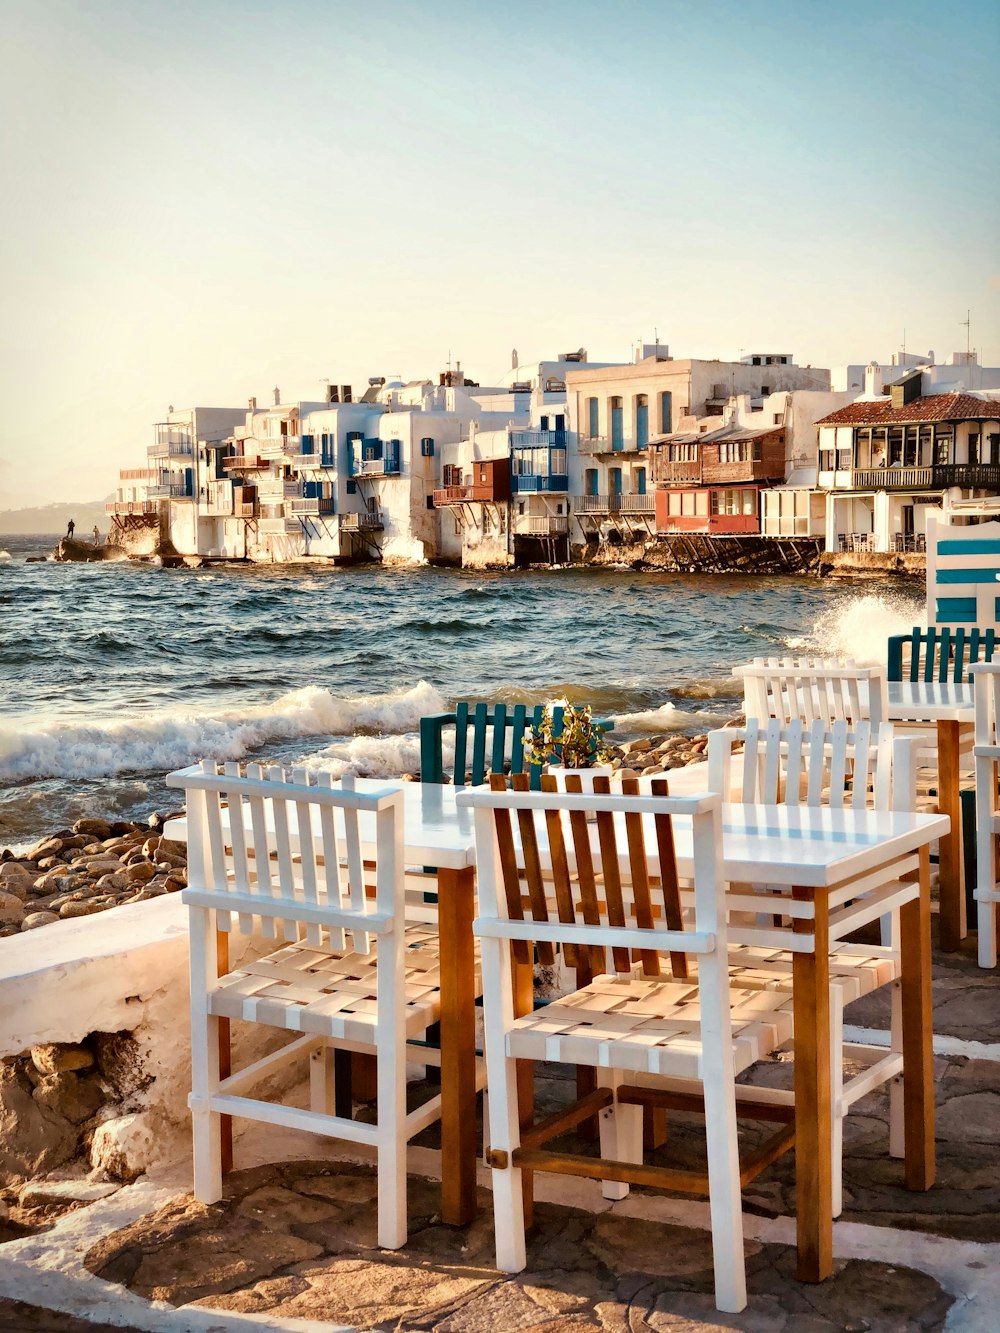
(99,864)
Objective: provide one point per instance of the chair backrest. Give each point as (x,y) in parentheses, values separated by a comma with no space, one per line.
(542,881)
(288,855)
(963,565)
(939,655)
(486,740)
(797,764)
(986,679)
(808,689)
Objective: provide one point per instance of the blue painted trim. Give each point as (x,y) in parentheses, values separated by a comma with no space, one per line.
(956,611)
(980,546)
(967,575)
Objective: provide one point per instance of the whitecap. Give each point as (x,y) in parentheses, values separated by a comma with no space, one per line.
(668,717)
(859,629)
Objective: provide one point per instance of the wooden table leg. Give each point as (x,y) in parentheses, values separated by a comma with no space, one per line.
(918,1056)
(225,1057)
(952,918)
(456,908)
(813,1151)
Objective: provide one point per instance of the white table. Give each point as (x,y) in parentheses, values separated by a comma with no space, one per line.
(951,707)
(809,849)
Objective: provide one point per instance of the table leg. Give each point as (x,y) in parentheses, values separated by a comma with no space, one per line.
(918,1058)
(456,908)
(813,1130)
(952,919)
(524,1000)
(225,1056)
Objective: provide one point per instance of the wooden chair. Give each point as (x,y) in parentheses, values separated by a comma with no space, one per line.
(640,1022)
(349,965)
(486,740)
(987,759)
(798,765)
(809,689)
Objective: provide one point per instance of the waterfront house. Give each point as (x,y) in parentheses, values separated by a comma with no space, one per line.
(889,457)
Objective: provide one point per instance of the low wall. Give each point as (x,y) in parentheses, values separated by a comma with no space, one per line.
(852,564)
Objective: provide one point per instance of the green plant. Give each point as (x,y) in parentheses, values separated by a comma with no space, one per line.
(579,743)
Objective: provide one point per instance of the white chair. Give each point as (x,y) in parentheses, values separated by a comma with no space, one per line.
(347,964)
(809,689)
(986,679)
(838,767)
(638,1022)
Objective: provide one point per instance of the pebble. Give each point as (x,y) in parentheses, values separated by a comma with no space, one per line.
(35,919)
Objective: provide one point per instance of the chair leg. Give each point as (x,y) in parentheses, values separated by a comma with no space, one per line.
(507,1182)
(206,1125)
(621,1131)
(897,1146)
(837,1099)
(321,1081)
(725,1203)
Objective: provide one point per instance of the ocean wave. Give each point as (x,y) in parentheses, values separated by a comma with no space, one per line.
(713,687)
(155,743)
(860,628)
(668,717)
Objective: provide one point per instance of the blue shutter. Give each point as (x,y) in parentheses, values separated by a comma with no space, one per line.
(640,480)
(666,412)
(617,429)
(641,426)
(593,419)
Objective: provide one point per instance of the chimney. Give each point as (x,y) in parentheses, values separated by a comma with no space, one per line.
(332,393)
(277,396)
(873,380)
(345,394)
(252,404)
(513,359)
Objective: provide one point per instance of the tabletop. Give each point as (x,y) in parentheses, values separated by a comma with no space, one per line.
(810,846)
(930,701)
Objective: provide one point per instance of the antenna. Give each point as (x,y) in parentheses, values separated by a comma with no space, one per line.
(967,321)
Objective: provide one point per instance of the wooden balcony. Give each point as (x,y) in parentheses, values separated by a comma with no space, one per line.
(456,495)
(366,522)
(684,473)
(243,462)
(540,525)
(968,476)
(314,505)
(124,508)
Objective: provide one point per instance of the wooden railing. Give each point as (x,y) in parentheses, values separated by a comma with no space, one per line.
(541,525)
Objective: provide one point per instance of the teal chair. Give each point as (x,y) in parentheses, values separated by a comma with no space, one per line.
(472,764)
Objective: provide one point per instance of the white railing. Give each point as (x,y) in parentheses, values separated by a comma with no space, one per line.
(360,522)
(175,491)
(541,525)
(313,505)
(278,526)
(635,504)
(276,488)
(170,449)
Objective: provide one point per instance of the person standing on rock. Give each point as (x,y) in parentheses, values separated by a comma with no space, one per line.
(97,535)
(70,528)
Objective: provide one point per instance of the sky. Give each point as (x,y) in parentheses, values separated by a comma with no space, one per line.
(204,200)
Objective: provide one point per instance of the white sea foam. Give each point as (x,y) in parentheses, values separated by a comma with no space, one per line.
(668,717)
(156,743)
(860,628)
(5,555)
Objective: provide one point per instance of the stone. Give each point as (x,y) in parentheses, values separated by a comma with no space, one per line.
(70,1095)
(150,845)
(123,1147)
(175,883)
(33,1139)
(50,862)
(15,878)
(140,872)
(275,1206)
(35,919)
(59,1057)
(105,865)
(87,907)
(120,1062)
(96,828)
(171,847)
(77,1190)
(47,847)
(11,910)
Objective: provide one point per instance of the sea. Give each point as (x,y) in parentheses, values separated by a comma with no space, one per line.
(112,675)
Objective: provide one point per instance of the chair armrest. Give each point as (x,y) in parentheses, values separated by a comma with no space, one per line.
(431,735)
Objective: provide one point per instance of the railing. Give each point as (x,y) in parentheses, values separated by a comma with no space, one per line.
(679,473)
(892,478)
(635,504)
(170,449)
(594,444)
(314,504)
(541,525)
(274,447)
(971,476)
(278,526)
(138,474)
(272,489)
(524,438)
(530,483)
(241,461)
(376,467)
(479,492)
(361,522)
(592,504)
(130,507)
(244,510)
(175,491)
(301,460)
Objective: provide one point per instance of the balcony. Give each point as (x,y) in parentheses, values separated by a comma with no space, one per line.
(173,491)
(376,467)
(244,510)
(634,504)
(242,462)
(171,443)
(686,472)
(305,462)
(968,476)
(272,489)
(145,474)
(366,522)
(592,504)
(130,507)
(540,525)
(523,439)
(531,483)
(454,495)
(278,527)
(315,506)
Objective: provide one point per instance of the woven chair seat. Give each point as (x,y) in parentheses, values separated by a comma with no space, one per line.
(855,969)
(311,989)
(648,1025)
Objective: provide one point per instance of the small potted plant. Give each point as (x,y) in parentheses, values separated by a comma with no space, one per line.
(578,746)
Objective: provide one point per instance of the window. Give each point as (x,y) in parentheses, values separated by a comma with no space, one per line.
(758,451)
(666,399)
(592,419)
(641,421)
(427,448)
(682,453)
(974,455)
(543,423)
(755,361)
(765,389)
(430,502)
(616,413)
(590,481)
(639,480)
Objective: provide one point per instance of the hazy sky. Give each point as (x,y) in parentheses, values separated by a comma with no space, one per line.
(203,200)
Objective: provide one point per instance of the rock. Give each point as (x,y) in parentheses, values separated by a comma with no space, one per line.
(13,872)
(175,883)
(47,847)
(17,888)
(171,847)
(121,828)
(33,1138)
(97,828)
(120,1062)
(35,919)
(85,908)
(49,862)
(113,883)
(38,1193)
(150,845)
(57,1057)
(637,747)
(69,1095)
(11,910)
(103,865)
(123,1147)
(139,872)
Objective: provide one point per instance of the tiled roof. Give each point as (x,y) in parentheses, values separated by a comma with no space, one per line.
(727,433)
(933,407)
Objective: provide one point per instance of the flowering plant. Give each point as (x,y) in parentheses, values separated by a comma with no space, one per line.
(579,744)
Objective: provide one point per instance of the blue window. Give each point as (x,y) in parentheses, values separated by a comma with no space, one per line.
(617,424)
(427,448)
(615,477)
(665,413)
(544,423)
(590,481)
(307,444)
(352,487)
(641,421)
(639,477)
(593,422)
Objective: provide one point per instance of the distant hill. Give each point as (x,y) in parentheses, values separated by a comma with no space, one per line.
(53,519)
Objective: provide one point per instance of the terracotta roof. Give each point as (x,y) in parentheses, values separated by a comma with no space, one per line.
(933,407)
